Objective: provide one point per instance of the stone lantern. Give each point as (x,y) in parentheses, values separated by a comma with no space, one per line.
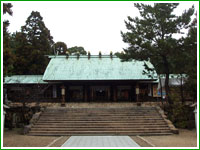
(137,92)
(63,95)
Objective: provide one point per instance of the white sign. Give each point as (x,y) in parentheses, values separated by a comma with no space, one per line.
(137,90)
(63,91)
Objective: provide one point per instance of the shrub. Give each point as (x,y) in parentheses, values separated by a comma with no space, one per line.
(180,114)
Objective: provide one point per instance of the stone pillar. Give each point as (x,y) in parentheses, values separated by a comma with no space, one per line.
(63,95)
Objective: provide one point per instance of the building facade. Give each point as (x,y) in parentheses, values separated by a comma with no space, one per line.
(91,78)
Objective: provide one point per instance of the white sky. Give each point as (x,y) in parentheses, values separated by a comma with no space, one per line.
(94,25)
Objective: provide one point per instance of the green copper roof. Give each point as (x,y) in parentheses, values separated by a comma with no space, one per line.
(94,68)
(24,79)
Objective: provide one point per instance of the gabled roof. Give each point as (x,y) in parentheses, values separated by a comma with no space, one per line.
(24,79)
(94,68)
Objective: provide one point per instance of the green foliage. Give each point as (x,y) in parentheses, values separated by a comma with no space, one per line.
(181,115)
(37,33)
(184,59)
(60,48)
(31,45)
(75,49)
(150,37)
(7,8)
(8,57)
(190,48)
(8,61)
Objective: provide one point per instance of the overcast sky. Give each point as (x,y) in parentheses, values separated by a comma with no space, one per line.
(94,25)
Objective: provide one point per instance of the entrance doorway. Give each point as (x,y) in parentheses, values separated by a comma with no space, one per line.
(100,93)
(75,93)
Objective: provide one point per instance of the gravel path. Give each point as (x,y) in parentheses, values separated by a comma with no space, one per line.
(185,138)
(14,138)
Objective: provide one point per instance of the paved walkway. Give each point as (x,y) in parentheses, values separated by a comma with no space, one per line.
(100,141)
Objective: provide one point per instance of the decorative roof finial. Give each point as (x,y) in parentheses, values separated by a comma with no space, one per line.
(78,55)
(67,54)
(99,54)
(111,54)
(89,54)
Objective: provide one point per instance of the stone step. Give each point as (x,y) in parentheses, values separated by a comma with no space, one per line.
(60,133)
(101,121)
(102,112)
(101,124)
(92,114)
(105,118)
(99,114)
(99,129)
(104,121)
(101,134)
(97,125)
(100,109)
(105,112)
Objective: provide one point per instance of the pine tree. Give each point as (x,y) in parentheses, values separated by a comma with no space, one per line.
(150,36)
(190,55)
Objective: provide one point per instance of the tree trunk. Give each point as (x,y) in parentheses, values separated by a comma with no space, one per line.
(167,89)
(181,88)
(161,94)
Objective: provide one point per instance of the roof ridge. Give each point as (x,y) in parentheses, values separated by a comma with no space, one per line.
(82,56)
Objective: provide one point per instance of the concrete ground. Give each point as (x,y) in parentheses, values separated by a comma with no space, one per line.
(100,141)
(13,138)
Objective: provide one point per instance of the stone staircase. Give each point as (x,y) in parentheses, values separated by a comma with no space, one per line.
(101,121)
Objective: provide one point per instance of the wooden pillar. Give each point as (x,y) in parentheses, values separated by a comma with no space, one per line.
(115,94)
(88,93)
(108,90)
(67,96)
(132,93)
(111,93)
(92,94)
(85,93)
(137,91)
